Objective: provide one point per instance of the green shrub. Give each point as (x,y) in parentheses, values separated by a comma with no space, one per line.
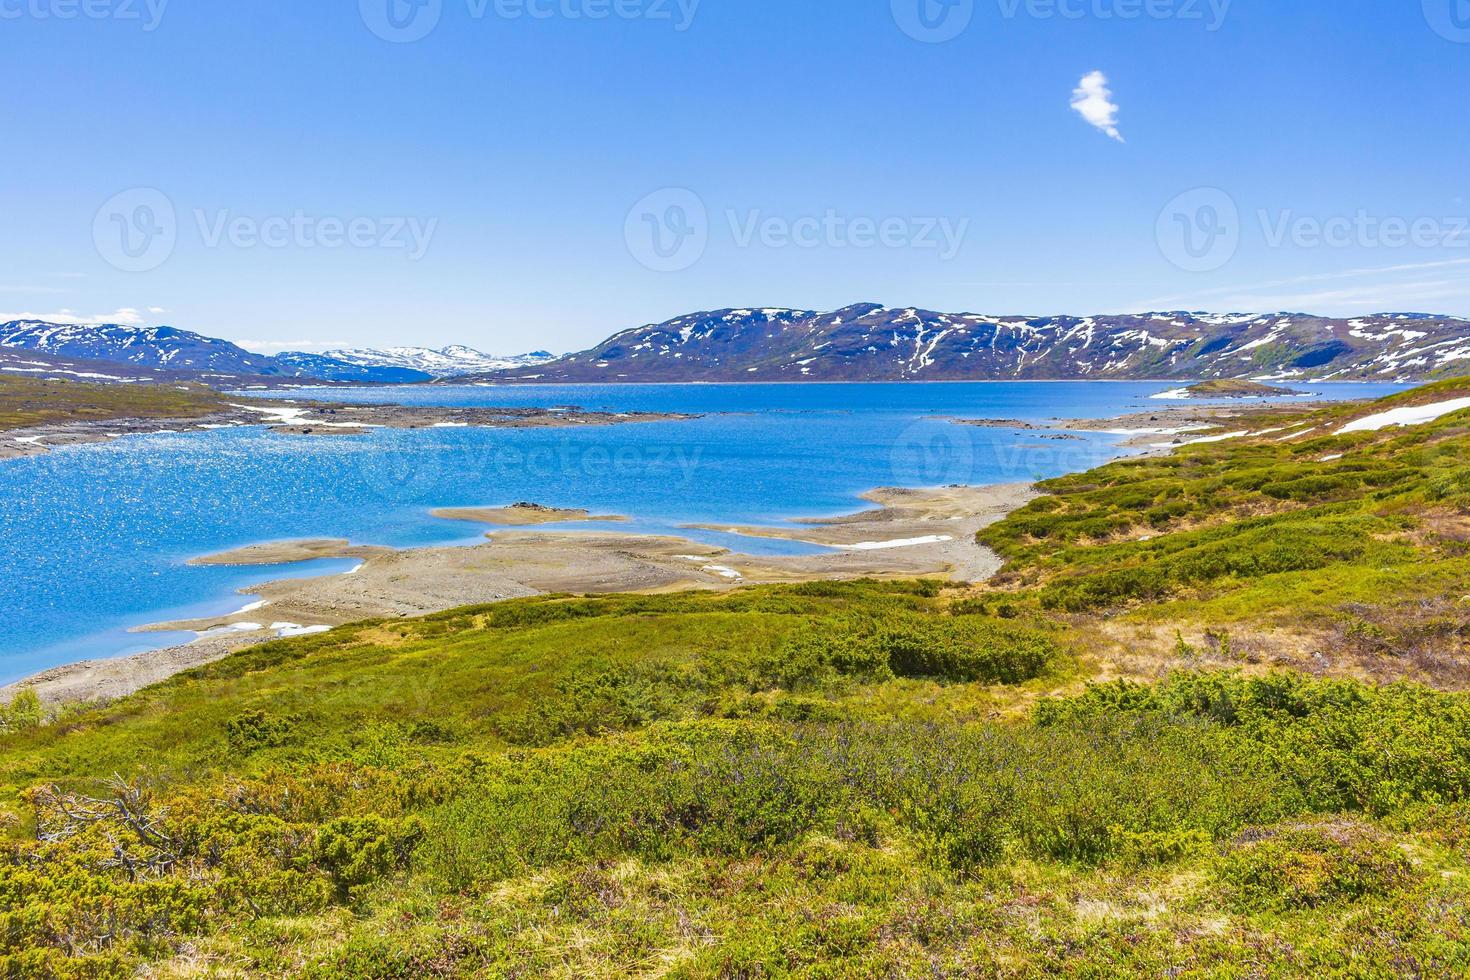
(1308,867)
(255,730)
(968,649)
(356,851)
(24,711)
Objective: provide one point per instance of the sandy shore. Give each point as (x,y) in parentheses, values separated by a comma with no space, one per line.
(912,533)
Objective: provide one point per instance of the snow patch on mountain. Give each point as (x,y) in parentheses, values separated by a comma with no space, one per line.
(446,362)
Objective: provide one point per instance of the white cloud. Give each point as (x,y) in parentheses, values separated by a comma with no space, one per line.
(1372,290)
(126,315)
(1093,101)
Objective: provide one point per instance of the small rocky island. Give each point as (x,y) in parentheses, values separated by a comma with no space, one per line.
(1231,388)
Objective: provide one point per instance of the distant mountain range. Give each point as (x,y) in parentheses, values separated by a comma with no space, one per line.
(448,362)
(157,348)
(140,353)
(868,342)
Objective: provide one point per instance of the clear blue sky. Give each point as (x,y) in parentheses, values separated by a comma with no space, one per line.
(519,147)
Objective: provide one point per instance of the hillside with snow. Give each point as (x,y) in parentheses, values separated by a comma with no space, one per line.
(179,352)
(446,362)
(868,342)
(159,348)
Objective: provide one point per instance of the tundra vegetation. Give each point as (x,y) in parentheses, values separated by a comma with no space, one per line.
(27,402)
(1208,723)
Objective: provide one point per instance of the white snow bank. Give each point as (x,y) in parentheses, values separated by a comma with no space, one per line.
(901,543)
(1204,439)
(279,415)
(1413,415)
(291,416)
(284,630)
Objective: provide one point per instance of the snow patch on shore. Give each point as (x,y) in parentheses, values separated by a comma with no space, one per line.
(900,543)
(279,416)
(1413,415)
(284,630)
(1204,439)
(293,416)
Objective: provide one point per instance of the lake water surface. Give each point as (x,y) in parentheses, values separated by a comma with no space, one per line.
(95,539)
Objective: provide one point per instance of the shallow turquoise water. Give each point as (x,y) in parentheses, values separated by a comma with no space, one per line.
(94,539)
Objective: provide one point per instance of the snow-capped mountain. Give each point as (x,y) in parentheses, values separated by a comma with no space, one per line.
(868,342)
(169,349)
(328,368)
(164,348)
(447,362)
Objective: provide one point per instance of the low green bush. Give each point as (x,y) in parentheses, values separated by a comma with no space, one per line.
(1311,866)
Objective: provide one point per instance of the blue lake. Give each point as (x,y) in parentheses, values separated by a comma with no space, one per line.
(95,539)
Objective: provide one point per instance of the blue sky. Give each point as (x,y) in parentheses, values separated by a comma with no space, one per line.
(284,176)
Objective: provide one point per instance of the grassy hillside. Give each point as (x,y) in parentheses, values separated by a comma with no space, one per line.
(26,402)
(1294,541)
(830,780)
